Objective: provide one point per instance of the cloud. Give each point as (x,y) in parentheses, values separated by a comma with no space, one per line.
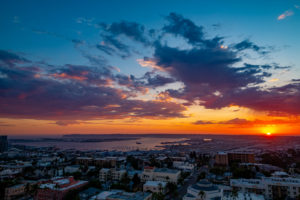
(180,26)
(246,44)
(235,121)
(4,124)
(245,122)
(285,14)
(210,74)
(66,122)
(59,94)
(111,37)
(10,58)
(131,30)
(206,71)
(200,122)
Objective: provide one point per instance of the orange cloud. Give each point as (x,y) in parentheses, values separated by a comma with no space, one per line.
(67,76)
(149,63)
(285,14)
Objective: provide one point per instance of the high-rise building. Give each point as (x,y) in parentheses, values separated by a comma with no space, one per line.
(3,143)
(223,158)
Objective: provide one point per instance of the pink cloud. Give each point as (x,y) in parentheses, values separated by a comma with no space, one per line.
(285,14)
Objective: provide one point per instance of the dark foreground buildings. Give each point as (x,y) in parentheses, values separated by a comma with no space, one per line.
(3,143)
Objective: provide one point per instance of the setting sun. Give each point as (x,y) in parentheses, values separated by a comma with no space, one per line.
(269,130)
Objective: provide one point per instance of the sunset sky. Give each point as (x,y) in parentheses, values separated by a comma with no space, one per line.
(169,66)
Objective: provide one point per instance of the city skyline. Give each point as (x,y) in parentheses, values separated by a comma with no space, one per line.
(161,67)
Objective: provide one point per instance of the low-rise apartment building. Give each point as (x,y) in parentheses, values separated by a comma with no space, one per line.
(160,174)
(155,187)
(270,187)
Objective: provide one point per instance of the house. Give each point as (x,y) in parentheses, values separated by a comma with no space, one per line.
(155,187)
(160,174)
(106,174)
(72,169)
(88,193)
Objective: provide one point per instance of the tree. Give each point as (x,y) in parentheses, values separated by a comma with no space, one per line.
(125,179)
(234,193)
(201,194)
(158,196)
(136,180)
(202,175)
(172,187)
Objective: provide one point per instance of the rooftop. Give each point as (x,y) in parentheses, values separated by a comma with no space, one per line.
(166,170)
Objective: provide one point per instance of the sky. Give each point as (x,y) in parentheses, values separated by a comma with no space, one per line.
(171,66)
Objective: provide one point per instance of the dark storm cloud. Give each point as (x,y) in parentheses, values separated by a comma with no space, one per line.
(72,93)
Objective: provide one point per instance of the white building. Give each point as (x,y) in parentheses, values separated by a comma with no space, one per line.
(203,190)
(269,187)
(117,175)
(121,195)
(155,187)
(183,165)
(106,174)
(160,174)
(243,196)
(72,169)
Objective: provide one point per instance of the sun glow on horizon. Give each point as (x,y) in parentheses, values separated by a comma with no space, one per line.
(269,130)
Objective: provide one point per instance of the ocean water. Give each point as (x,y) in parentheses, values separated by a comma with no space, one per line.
(143,143)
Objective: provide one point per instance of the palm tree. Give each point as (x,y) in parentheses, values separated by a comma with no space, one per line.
(160,187)
(234,193)
(201,194)
(167,178)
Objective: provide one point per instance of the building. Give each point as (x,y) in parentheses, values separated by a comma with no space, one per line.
(242,196)
(107,162)
(116,175)
(72,169)
(270,187)
(3,143)
(223,158)
(14,191)
(121,195)
(19,190)
(107,174)
(186,166)
(104,175)
(57,188)
(84,161)
(160,174)
(155,187)
(88,193)
(203,190)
